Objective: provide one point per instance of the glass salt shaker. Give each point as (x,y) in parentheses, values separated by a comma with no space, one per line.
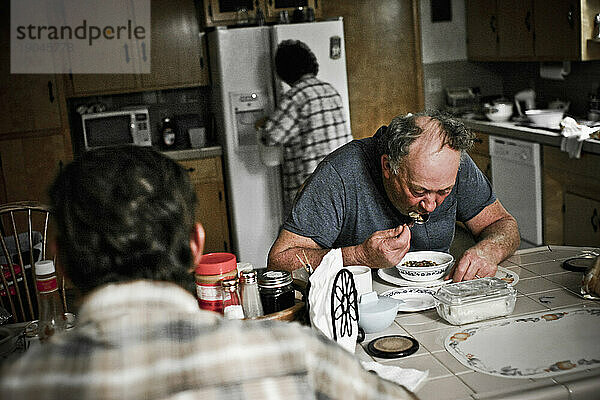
(250,297)
(232,305)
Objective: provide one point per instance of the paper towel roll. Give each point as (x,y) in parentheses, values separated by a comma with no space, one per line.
(555,71)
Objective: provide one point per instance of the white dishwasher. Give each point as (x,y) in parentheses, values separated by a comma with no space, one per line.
(517,181)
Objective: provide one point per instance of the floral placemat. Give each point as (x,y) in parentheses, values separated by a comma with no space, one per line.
(537,345)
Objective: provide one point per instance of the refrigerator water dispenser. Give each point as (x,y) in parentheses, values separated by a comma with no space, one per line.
(249,107)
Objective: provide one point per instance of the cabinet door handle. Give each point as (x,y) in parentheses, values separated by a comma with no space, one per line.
(126,53)
(220,196)
(595,220)
(571,16)
(316,4)
(528,21)
(50,92)
(493,23)
(144,52)
(191,169)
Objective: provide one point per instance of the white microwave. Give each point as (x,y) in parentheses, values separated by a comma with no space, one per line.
(116,127)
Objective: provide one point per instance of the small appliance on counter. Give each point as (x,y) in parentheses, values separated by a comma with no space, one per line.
(190,131)
(111,128)
(460,100)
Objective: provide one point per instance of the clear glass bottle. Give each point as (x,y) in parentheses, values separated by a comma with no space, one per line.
(250,297)
(52,318)
(232,305)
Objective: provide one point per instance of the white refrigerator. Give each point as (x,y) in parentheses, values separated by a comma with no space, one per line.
(245,89)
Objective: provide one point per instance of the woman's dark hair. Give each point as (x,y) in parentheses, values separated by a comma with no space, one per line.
(294,59)
(124,213)
(403,131)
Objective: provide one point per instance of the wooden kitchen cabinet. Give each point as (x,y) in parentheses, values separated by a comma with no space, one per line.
(30,164)
(177,51)
(583,220)
(29,102)
(571,198)
(531,30)
(499,29)
(242,12)
(211,208)
(480,153)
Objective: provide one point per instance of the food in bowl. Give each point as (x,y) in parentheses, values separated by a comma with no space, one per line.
(423,263)
(411,267)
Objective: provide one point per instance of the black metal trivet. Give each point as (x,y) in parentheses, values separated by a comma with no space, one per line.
(344,304)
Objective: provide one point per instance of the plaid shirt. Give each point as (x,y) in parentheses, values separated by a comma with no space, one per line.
(149,340)
(310,123)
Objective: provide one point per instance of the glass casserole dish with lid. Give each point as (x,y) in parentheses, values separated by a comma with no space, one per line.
(476,300)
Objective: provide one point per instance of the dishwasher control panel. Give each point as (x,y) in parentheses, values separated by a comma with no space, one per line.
(512,150)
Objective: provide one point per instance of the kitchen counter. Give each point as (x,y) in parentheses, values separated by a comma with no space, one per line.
(514,131)
(543,285)
(194,154)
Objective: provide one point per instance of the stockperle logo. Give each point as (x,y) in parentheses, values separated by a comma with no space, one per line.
(80,36)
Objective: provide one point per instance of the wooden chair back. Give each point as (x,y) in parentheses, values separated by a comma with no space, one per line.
(24,230)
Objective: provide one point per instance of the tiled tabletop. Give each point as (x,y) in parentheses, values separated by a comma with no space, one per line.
(543,285)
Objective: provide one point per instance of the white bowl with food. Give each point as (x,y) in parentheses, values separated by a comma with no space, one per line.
(421,266)
(545,118)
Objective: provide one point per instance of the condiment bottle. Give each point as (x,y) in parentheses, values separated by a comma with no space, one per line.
(168,133)
(276,291)
(250,297)
(52,318)
(232,305)
(210,271)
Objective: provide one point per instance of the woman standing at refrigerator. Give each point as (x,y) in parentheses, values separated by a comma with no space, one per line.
(309,120)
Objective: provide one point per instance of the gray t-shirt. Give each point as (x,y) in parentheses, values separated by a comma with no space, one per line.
(344,202)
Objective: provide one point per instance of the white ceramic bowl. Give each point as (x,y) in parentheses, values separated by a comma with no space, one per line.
(376,313)
(499,112)
(421,274)
(546,118)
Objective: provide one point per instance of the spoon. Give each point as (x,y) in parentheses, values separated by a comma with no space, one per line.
(417,218)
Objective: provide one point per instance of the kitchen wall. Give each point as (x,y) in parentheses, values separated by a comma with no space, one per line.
(445,65)
(445,58)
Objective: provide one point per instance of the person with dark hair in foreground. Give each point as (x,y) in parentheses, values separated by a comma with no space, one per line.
(310,120)
(364,197)
(128,240)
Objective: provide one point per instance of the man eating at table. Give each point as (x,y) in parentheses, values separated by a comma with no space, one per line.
(128,240)
(365,197)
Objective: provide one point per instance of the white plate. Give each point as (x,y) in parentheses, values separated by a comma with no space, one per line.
(415,298)
(391,275)
(537,345)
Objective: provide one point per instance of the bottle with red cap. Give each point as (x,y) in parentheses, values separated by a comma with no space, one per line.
(52,318)
(210,271)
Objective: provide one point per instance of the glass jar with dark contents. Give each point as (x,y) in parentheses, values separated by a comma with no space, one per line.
(276,291)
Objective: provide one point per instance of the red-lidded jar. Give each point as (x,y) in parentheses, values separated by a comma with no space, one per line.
(210,271)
